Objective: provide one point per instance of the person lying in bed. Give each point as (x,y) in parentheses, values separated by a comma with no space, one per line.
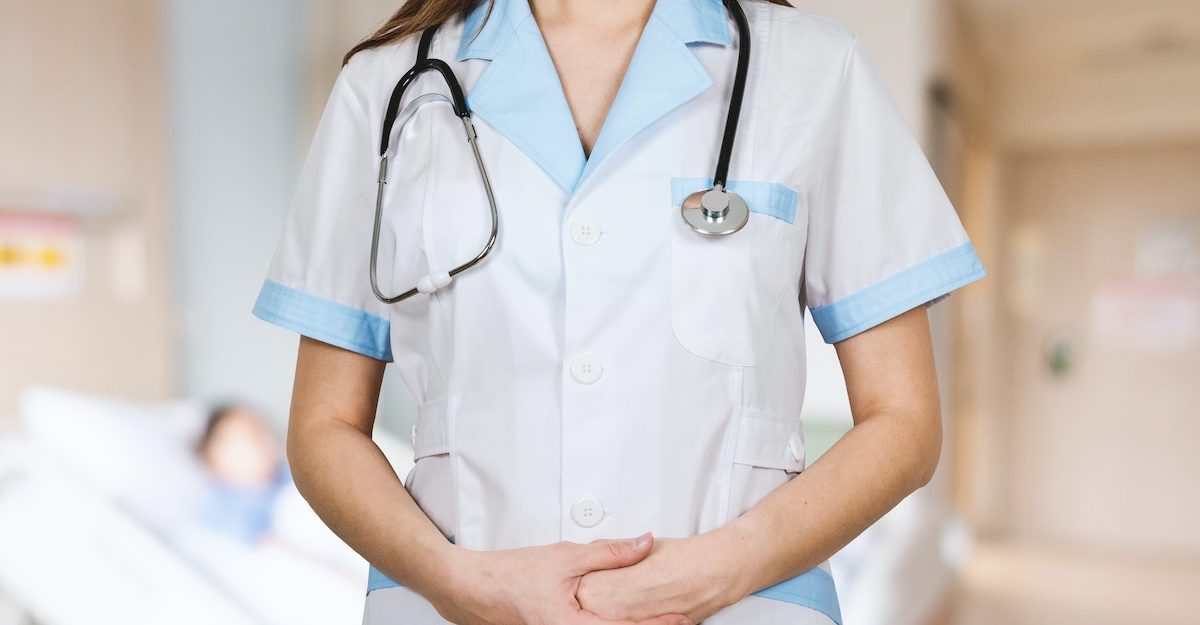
(248,472)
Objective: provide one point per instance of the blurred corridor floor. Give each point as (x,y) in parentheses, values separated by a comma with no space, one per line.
(1006,584)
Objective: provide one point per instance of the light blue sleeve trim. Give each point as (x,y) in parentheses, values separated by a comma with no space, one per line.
(325,320)
(376,580)
(924,283)
(768,198)
(814,589)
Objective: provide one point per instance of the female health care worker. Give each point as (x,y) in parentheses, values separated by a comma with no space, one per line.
(610,391)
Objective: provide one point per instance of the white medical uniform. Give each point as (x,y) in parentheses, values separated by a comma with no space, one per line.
(608,371)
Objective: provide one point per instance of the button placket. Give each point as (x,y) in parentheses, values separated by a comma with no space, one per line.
(583,257)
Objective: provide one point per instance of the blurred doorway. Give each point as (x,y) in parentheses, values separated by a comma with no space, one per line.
(1103,309)
(1095,510)
(1075,448)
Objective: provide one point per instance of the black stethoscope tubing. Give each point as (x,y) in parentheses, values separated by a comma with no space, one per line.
(702,216)
(735,98)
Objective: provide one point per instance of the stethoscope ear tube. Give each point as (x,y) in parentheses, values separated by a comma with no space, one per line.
(442,279)
(437,279)
(457,99)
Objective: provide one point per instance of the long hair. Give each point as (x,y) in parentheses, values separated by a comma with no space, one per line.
(415,16)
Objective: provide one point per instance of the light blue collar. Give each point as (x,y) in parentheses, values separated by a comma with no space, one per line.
(519,93)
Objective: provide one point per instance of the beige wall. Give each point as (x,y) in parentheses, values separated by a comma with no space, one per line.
(1101,458)
(82,111)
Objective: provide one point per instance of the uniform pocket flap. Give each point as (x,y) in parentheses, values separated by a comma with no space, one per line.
(430,434)
(765,440)
(762,196)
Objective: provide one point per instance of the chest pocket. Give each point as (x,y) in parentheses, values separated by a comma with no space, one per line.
(726,290)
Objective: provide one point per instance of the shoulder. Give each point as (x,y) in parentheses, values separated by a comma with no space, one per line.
(799,38)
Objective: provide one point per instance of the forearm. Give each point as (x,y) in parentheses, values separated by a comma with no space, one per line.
(804,522)
(892,450)
(353,488)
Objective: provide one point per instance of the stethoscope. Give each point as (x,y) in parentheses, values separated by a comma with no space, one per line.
(715,211)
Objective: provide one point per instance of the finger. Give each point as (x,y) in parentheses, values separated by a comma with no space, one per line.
(613,554)
(583,617)
(667,619)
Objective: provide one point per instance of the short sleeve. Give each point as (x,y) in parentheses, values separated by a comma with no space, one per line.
(318,283)
(883,237)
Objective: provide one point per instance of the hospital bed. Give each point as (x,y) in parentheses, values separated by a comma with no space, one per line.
(95,527)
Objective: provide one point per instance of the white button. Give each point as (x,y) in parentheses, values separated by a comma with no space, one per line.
(586,369)
(796,446)
(585,231)
(587,512)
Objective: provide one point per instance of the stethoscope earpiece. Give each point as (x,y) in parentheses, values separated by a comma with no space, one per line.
(715,212)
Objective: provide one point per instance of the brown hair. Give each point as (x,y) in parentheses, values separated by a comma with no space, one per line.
(415,16)
(216,415)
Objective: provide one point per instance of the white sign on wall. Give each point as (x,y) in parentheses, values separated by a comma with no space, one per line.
(1147,315)
(41,256)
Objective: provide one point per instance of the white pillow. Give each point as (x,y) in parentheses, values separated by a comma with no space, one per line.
(141,454)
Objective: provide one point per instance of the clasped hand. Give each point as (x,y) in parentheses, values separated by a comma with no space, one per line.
(677,576)
(640,581)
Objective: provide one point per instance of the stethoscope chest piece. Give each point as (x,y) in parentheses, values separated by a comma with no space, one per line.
(715,212)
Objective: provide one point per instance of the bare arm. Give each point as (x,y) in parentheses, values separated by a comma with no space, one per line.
(343,474)
(352,487)
(891,451)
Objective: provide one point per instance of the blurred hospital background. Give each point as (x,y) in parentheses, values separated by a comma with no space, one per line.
(148,150)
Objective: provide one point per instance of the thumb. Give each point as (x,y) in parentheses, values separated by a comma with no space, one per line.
(613,554)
